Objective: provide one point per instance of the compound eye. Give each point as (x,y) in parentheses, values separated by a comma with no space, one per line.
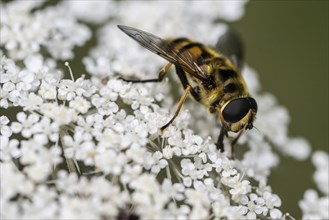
(236,110)
(253,103)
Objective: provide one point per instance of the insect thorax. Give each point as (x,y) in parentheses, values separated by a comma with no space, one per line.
(229,85)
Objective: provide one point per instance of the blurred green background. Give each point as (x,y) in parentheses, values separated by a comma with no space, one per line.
(287,43)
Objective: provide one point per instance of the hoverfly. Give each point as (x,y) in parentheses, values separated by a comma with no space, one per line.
(212,78)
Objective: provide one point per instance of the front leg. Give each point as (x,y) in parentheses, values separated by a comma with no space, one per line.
(162,73)
(220,140)
(180,104)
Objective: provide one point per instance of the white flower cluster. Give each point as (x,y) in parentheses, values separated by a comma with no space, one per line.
(128,161)
(169,18)
(25,32)
(91,148)
(314,206)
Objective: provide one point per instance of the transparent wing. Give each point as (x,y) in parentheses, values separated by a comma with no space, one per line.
(230,44)
(163,48)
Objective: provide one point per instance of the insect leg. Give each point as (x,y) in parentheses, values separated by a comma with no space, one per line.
(180,104)
(162,73)
(223,132)
(182,76)
(220,140)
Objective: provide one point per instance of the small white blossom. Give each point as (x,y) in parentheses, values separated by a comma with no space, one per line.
(9,148)
(271,202)
(67,89)
(5,130)
(25,124)
(14,182)
(47,91)
(238,186)
(73,144)
(80,104)
(224,211)
(167,152)
(158,163)
(100,66)
(254,204)
(321,176)
(48,128)
(175,191)
(110,162)
(175,211)
(34,63)
(32,102)
(104,106)
(130,173)
(262,188)
(51,29)
(199,202)
(187,167)
(85,10)
(60,114)
(313,206)
(146,192)
(301,144)
(38,172)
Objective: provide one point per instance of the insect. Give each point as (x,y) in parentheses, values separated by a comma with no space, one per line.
(210,77)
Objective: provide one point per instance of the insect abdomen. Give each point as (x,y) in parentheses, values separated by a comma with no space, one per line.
(198,50)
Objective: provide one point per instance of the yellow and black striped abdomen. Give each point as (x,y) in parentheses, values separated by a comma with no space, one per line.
(229,83)
(200,52)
